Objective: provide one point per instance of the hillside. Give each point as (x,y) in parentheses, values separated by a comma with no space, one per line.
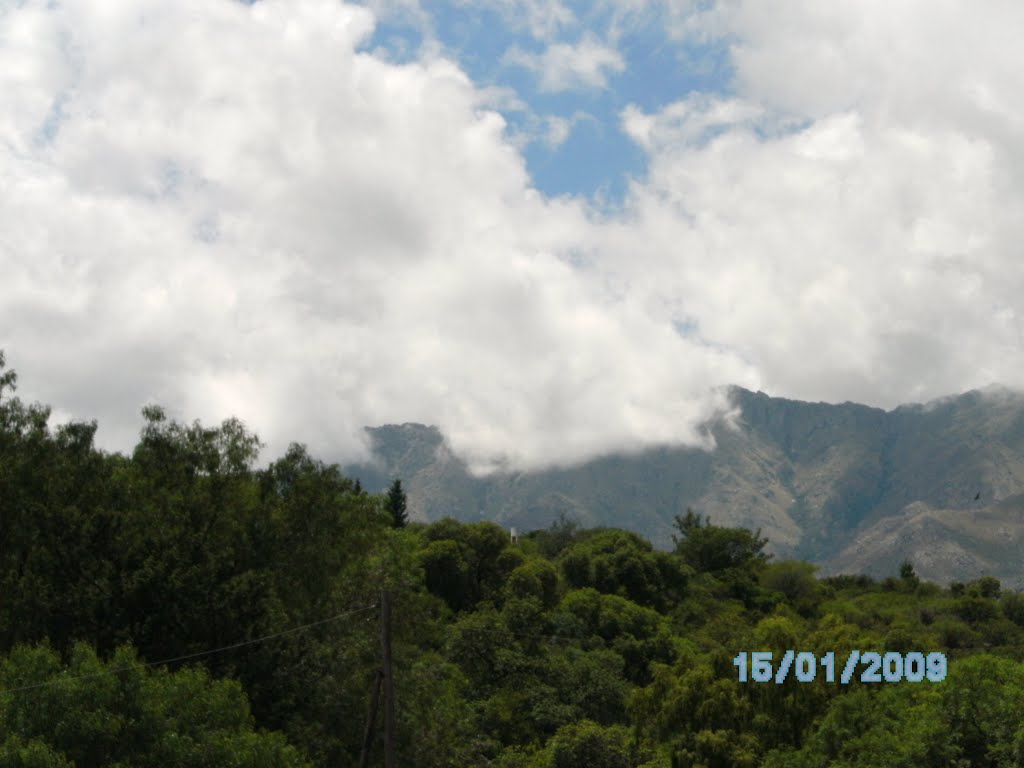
(846,486)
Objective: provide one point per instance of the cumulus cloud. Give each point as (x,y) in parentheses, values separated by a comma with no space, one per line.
(231,210)
(238,210)
(564,66)
(849,219)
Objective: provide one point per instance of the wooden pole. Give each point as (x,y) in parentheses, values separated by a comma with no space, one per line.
(389,689)
(371,720)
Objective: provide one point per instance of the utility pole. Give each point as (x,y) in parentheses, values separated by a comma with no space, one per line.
(389,689)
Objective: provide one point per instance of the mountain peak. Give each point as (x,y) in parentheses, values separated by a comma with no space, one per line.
(409,430)
(816,478)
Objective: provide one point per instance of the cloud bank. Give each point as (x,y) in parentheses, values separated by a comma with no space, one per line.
(233,211)
(848,218)
(239,209)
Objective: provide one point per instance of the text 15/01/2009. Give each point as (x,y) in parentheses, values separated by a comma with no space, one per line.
(890,667)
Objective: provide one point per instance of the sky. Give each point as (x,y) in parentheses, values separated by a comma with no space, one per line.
(553,229)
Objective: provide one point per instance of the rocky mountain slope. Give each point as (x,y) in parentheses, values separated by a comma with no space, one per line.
(853,488)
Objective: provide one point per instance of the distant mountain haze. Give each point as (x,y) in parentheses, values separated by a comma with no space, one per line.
(853,488)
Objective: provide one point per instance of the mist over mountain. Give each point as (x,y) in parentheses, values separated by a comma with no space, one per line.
(847,486)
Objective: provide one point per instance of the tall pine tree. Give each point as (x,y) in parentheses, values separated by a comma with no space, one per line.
(396,505)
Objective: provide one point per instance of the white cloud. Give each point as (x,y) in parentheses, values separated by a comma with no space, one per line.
(558,130)
(236,213)
(849,220)
(565,66)
(555,130)
(543,19)
(693,120)
(229,210)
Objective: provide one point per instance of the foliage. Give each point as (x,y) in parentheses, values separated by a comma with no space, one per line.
(588,745)
(795,581)
(553,541)
(395,504)
(570,647)
(91,713)
(710,548)
(464,562)
(622,563)
(733,556)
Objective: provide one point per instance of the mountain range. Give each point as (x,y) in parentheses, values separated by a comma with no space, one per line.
(851,488)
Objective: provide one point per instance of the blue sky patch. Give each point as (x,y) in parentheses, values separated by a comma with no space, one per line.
(596,159)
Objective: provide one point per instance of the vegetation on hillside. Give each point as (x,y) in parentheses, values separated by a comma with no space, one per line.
(182,607)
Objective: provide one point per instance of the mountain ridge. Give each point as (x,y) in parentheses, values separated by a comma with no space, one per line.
(850,487)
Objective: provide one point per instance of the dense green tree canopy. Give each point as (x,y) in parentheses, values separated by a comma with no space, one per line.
(570,647)
(713,549)
(91,713)
(622,563)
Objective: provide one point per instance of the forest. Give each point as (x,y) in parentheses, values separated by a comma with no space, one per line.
(186,606)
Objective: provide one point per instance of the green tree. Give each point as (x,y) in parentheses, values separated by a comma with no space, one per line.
(889,726)
(975,609)
(446,572)
(732,557)
(588,745)
(639,635)
(396,504)
(92,713)
(908,576)
(618,562)
(437,724)
(986,586)
(559,535)
(705,717)
(1012,604)
(982,701)
(536,577)
(794,579)
(591,682)
(709,548)
(212,551)
(485,648)
(474,567)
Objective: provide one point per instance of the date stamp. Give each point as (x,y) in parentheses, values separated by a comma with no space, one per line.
(890,667)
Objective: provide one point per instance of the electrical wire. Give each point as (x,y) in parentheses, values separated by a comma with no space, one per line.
(188,656)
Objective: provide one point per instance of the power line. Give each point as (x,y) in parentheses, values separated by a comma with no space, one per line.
(510,633)
(196,655)
(199,654)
